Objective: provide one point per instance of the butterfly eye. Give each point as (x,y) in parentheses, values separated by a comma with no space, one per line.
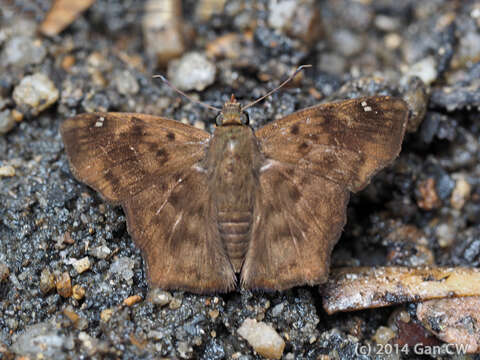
(245,118)
(219,119)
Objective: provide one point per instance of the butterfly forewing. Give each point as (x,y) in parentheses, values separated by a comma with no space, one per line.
(346,142)
(312,158)
(153,167)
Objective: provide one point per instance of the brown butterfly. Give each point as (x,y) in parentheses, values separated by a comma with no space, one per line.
(269,204)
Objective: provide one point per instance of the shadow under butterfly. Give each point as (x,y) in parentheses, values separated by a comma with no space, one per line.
(268,204)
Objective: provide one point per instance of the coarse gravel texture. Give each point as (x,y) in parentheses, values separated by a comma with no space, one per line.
(49,221)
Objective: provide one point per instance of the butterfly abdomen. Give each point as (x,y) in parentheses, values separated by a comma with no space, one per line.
(234,228)
(232,164)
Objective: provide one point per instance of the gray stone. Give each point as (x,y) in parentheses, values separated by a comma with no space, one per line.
(125,82)
(41,339)
(7,122)
(347,42)
(192,72)
(35,93)
(21,51)
(123,267)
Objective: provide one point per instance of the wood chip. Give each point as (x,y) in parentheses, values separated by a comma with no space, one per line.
(61,14)
(358,288)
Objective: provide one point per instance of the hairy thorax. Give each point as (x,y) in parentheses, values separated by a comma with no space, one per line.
(233,163)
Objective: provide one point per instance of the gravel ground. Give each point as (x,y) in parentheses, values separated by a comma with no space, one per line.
(72,284)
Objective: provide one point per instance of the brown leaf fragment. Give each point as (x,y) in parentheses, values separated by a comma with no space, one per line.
(61,14)
(358,288)
(456,321)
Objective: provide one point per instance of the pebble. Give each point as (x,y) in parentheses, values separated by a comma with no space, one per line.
(193,71)
(383,335)
(263,338)
(78,292)
(7,171)
(101,252)
(132,300)
(278,309)
(123,267)
(445,235)
(64,285)
(125,82)
(7,121)
(460,193)
(214,314)
(416,98)
(81,265)
(4,271)
(78,322)
(40,341)
(106,314)
(47,281)
(184,349)
(425,69)
(159,297)
(35,93)
(280,13)
(207,8)
(427,195)
(347,42)
(175,303)
(21,51)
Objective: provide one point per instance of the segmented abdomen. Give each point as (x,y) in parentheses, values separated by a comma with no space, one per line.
(234,228)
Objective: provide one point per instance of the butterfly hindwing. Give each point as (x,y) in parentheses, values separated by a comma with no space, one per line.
(152,167)
(296,217)
(312,158)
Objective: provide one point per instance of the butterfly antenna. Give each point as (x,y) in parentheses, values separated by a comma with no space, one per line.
(173,87)
(300,68)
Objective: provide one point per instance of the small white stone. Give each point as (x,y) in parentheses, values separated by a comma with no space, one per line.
(7,171)
(425,69)
(263,338)
(193,71)
(37,92)
(81,265)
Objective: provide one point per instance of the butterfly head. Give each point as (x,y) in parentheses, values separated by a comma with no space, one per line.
(232,114)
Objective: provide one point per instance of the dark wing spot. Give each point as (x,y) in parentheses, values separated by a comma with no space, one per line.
(294,129)
(112,179)
(294,194)
(174,199)
(303,148)
(170,136)
(290,171)
(162,156)
(137,129)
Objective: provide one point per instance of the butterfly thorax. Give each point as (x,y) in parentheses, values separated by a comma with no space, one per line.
(232,114)
(233,163)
